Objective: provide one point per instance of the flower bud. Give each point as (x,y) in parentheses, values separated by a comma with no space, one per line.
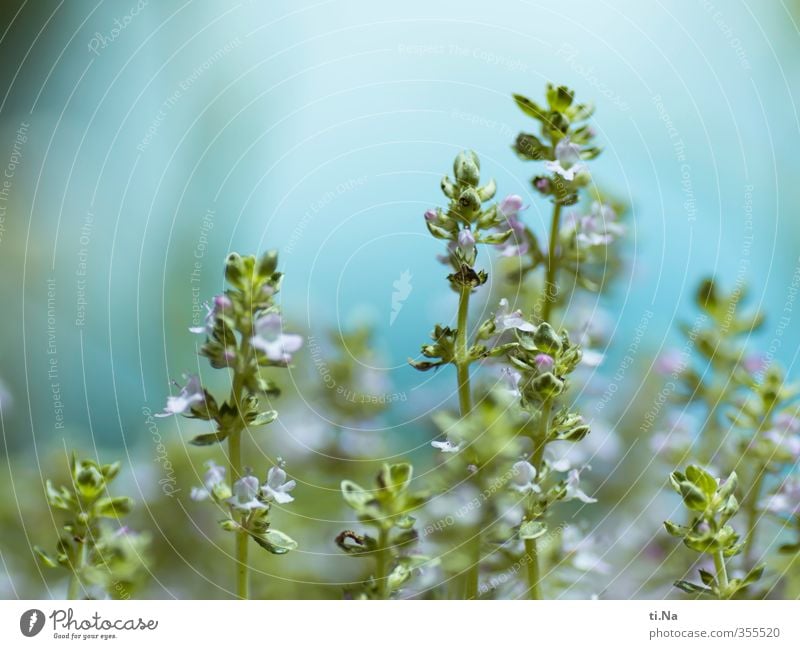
(547,385)
(233,269)
(89,480)
(268,264)
(467,168)
(546,339)
(469,200)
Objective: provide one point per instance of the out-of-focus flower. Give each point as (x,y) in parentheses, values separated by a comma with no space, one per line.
(583,551)
(567,162)
(449,445)
(517,244)
(786,500)
(672,361)
(271,340)
(598,228)
(277,487)
(524,478)
(221,303)
(574,491)
(505,319)
(189,395)
(215,475)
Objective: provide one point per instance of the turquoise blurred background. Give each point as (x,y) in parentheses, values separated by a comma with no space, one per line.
(146,140)
(322,129)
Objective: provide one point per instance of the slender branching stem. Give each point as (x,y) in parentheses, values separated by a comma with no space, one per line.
(539,441)
(75,580)
(551,276)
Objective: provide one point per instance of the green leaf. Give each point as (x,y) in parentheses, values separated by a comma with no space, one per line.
(44,558)
(531,108)
(264,418)
(676,530)
(113,507)
(532,529)
(395,477)
(707,578)
(693,589)
(399,576)
(275,541)
(704,480)
(354,495)
(209,439)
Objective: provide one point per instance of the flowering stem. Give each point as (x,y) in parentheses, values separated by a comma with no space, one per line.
(752,515)
(539,441)
(550,289)
(235,459)
(722,571)
(465,405)
(382,565)
(462,364)
(75,580)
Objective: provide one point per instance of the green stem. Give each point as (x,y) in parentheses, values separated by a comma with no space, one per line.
(722,571)
(531,549)
(382,565)
(752,515)
(462,363)
(75,580)
(550,287)
(472,574)
(235,458)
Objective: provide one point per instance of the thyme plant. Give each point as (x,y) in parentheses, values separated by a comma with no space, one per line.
(243,335)
(100,556)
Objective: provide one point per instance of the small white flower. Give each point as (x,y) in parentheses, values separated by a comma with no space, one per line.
(505,319)
(567,162)
(524,478)
(214,476)
(189,395)
(466,243)
(449,445)
(512,378)
(245,494)
(221,302)
(277,488)
(574,491)
(271,340)
(583,551)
